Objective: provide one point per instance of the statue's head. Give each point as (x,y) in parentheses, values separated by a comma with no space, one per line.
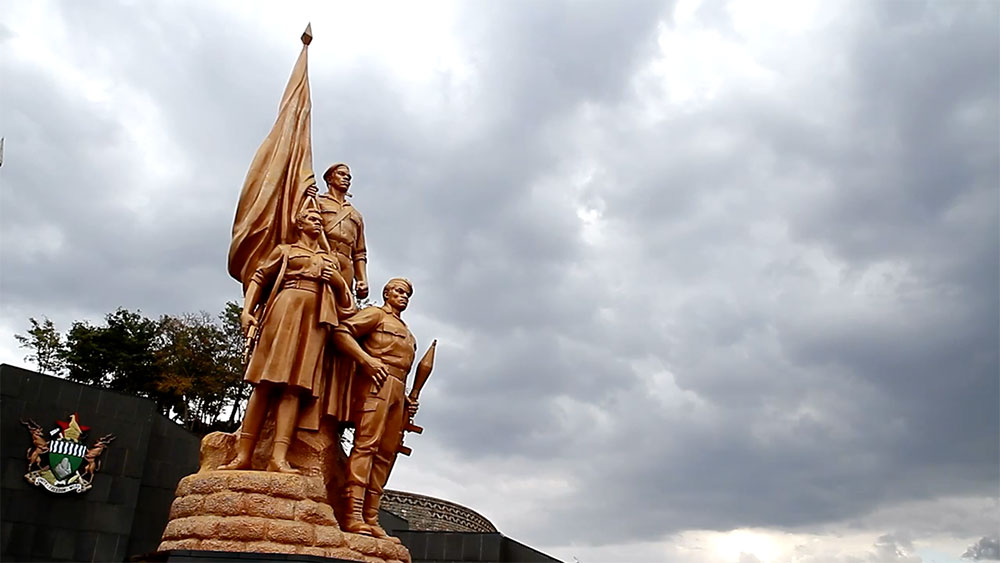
(338,177)
(309,221)
(397,292)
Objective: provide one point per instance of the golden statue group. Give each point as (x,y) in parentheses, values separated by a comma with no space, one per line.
(317,362)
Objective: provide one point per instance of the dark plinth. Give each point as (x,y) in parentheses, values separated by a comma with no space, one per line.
(448,547)
(195,556)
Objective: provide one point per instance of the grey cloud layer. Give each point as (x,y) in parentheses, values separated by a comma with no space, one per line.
(788,315)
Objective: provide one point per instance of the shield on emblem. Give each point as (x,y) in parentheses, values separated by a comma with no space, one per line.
(65,457)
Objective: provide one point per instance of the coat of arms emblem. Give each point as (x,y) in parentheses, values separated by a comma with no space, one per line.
(63,462)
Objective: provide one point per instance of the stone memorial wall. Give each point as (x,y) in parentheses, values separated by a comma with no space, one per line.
(125,510)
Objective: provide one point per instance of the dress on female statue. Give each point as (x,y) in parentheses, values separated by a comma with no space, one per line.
(292,338)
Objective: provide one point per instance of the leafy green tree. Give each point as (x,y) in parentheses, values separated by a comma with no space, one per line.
(191,365)
(117,356)
(47,345)
(238,391)
(84,355)
(201,369)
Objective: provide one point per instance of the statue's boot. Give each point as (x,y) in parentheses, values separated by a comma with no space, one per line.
(355,523)
(372,500)
(278,460)
(244,452)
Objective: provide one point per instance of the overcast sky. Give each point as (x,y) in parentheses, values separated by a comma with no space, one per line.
(712,281)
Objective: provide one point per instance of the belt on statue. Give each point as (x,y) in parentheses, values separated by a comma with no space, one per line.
(398,373)
(302,283)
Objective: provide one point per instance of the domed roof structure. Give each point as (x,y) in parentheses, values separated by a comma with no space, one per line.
(424,513)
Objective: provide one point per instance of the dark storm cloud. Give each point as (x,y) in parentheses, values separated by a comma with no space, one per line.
(87,187)
(501,254)
(856,404)
(926,196)
(543,58)
(787,317)
(986,549)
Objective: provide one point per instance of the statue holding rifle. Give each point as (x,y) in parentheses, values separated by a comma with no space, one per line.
(381,343)
(358,377)
(287,363)
(318,365)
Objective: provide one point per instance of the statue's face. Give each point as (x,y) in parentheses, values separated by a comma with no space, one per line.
(312,223)
(397,297)
(341,179)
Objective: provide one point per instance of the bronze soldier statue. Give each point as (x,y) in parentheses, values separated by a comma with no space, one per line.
(382,345)
(344,228)
(302,261)
(344,233)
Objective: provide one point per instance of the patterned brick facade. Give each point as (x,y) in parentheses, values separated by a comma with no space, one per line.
(424,513)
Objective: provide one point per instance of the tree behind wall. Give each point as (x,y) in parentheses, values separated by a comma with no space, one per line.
(200,368)
(190,364)
(47,344)
(120,355)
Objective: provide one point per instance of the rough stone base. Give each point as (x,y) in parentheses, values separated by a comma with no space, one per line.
(266,512)
(314,453)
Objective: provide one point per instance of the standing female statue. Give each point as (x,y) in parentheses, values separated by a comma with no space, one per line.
(287,363)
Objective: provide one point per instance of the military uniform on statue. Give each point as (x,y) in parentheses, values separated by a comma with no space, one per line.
(344,229)
(381,343)
(300,255)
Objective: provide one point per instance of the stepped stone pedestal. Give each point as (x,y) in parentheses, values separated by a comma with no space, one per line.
(265,511)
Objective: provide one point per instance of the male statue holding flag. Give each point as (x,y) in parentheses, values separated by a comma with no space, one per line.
(344,227)
(280,187)
(301,257)
(317,363)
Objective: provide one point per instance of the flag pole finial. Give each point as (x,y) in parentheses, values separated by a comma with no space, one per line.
(307,35)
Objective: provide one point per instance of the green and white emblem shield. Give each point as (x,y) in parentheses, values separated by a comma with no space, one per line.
(64,463)
(65,457)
